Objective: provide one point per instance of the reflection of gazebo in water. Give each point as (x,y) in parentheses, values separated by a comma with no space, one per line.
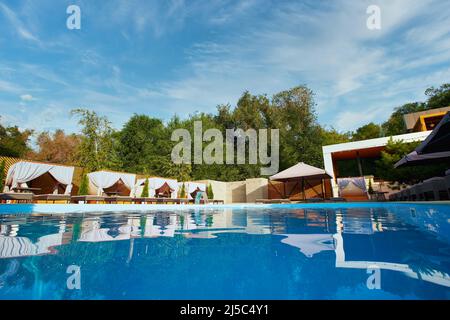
(165,191)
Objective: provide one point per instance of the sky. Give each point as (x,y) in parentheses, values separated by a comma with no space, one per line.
(162,58)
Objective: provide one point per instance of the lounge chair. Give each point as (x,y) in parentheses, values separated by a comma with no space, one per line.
(118,199)
(314,200)
(87,199)
(16,197)
(435,189)
(447,180)
(218,202)
(337,199)
(416,192)
(64,198)
(272,201)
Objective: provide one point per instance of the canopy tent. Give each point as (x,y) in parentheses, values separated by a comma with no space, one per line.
(193,187)
(99,181)
(436,147)
(156,185)
(301,172)
(23,173)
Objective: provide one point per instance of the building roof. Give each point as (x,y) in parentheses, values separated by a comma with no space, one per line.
(377,142)
(301,170)
(412,118)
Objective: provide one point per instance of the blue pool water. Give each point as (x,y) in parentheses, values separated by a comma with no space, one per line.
(386,252)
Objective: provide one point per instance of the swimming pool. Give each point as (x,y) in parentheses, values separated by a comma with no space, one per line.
(377,251)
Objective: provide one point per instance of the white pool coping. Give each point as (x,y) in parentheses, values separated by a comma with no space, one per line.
(85,208)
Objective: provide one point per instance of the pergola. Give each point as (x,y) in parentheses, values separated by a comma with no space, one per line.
(436,146)
(301,173)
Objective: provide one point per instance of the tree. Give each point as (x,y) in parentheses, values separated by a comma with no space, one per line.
(144,193)
(84,185)
(332,136)
(143,143)
(14,142)
(438,98)
(181,172)
(368,131)
(395,125)
(97,149)
(300,135)
(394,152)
(57,148)
(2,175)
(209,191)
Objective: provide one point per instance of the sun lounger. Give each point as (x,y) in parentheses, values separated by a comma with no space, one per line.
(435,189)
(337,199)
(447,180)
(118,199)
(416,192)
(272,201)
(315,200)
(218,202)
(63,198)
(87,199)
(16,197)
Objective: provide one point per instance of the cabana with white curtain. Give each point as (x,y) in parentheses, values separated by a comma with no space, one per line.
(193,187)
(159,187)
(41,178)
(108,182)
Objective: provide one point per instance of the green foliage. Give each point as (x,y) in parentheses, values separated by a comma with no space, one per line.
(14,142)
(209,191)
(143,144)
(97,149)
(437,98)
(394,152)
(332,136)
(2,175)
(144,193)
(368,131)
(183,191)
(84,185)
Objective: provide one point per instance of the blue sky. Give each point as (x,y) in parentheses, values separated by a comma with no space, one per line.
(165,57)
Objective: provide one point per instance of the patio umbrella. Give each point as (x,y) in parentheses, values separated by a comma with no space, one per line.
(436,146)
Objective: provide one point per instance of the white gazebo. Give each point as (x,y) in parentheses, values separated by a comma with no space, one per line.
(103,181)
(45,177)
(193,187)
(155,185)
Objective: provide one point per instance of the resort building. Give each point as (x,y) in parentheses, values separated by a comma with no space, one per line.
(357,159)
(424,120)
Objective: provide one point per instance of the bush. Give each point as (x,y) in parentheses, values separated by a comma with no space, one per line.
(183,191)
(2,175)
(209,191)
(144,193)
(84,186)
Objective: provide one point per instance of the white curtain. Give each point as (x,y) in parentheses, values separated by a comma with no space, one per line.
(156,183)
(105,179)
(22,172)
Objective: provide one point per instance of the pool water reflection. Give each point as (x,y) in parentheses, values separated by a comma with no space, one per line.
(380,253)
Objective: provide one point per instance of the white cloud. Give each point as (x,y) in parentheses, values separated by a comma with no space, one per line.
(17,24)
(27,97)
